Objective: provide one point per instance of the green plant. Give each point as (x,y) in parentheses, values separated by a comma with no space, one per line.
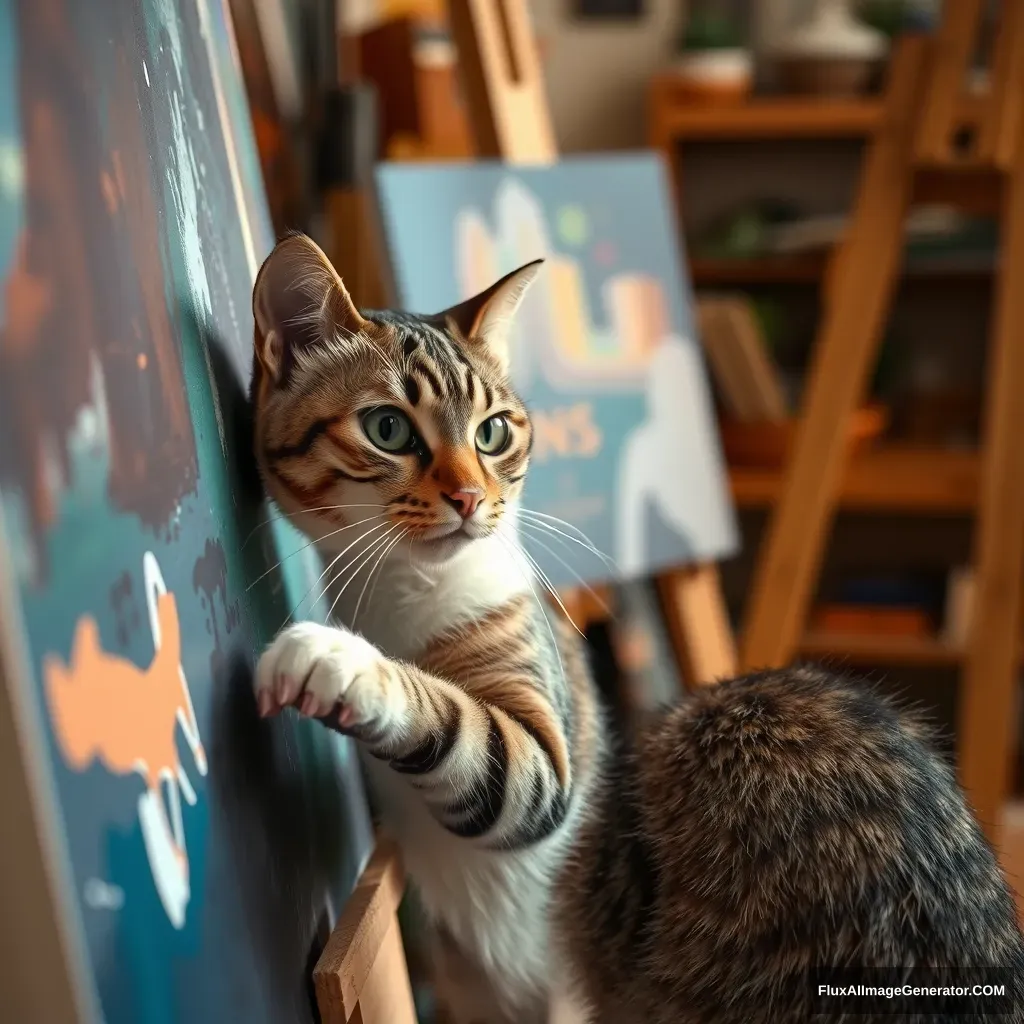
(706,30)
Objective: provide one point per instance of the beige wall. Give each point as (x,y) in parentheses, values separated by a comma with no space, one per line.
(597,72)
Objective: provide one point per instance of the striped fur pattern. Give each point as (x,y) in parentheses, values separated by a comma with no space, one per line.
(761,828)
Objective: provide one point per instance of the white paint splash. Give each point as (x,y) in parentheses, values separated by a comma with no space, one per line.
(100,895)
(12,171)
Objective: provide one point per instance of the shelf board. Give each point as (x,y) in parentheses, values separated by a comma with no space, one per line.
(770,117)
(922,651)
(890,478)
(810,269)
(803,269)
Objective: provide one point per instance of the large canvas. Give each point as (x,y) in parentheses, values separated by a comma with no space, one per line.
(197,847)
(603,348)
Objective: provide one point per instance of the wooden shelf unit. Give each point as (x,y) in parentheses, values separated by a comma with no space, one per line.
(898,479)
(893,478)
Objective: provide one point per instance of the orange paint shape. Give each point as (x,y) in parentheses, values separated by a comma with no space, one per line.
(104,707)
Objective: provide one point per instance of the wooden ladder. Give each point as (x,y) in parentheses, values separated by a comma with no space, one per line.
(937,140)
(511,121)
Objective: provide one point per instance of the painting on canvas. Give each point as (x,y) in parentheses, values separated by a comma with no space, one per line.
(197,848)
(604,351)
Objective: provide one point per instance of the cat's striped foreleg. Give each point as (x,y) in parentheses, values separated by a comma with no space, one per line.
(494,769)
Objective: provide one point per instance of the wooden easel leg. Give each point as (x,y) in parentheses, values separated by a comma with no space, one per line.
(853,322)
(987,725)
(698,624)
(510,119)
(361,975)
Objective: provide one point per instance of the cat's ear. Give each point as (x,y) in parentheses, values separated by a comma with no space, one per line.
(486,319)
(298,302)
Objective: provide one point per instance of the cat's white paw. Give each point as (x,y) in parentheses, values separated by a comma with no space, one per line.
(320,670)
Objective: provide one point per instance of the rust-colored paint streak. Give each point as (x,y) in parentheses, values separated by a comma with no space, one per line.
(132,482)
(104,707)
(26,298)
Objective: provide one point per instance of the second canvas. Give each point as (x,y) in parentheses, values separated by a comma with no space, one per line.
(604,349)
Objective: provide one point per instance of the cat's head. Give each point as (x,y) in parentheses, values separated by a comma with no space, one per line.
(407,426)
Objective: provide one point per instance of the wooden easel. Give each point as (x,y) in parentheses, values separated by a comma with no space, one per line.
(361,976)
(510,120)
(934,142)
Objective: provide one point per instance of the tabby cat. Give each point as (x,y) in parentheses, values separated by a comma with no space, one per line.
(762,829)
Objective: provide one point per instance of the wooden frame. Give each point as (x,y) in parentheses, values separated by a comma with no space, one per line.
(503,84)
(926,127)
(987,705)
(510,120)
(362,976)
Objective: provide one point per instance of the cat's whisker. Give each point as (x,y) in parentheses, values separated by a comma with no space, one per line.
(304,511)
(583,583)
(404,534)
(377,544)
(542,520)
(515,551)
(549,586)
(537,524)
(330,565)
(542,526)
(545,580)
(348,565)
(538,532)
(326,536)
(375,568)
(334,580)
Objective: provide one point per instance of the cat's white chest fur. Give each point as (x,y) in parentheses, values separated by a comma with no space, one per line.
(411,606)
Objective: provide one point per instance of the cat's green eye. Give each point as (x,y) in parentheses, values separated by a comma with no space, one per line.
(493,435)
(388,428)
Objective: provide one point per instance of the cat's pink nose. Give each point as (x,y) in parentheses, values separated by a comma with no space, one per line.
(465,502)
